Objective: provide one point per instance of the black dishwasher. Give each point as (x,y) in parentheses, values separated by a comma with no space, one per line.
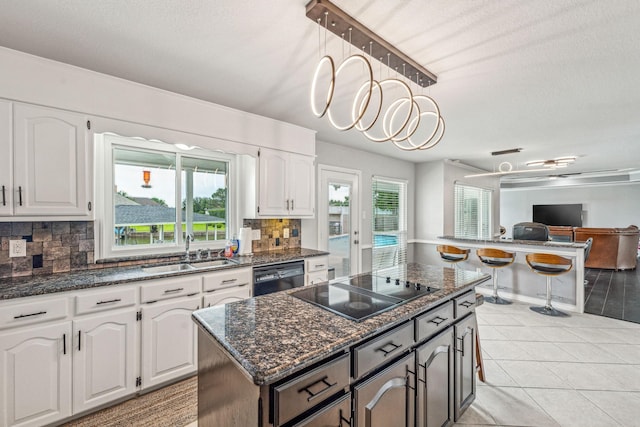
(277,277)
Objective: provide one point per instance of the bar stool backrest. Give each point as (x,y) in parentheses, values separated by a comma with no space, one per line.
(452,253)
(549,264)
(495,258)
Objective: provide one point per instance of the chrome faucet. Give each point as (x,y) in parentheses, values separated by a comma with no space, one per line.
(188,239)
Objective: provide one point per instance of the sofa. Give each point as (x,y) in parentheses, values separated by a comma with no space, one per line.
(612,248)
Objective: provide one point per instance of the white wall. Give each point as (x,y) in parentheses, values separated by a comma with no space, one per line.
(435,197)
(616,205)
(369,164)
(37,80)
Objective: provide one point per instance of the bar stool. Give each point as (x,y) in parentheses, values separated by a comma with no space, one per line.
(495,258)
(549,265)
(452,254)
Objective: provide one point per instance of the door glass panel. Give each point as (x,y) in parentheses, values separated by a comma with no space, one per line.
(339,228)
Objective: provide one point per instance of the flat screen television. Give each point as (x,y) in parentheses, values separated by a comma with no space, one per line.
(558,215)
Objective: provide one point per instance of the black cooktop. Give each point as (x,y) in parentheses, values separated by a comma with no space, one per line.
(363,296)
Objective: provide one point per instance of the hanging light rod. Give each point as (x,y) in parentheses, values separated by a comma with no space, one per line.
(339,23)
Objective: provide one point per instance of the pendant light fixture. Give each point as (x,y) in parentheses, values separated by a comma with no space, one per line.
(382,109)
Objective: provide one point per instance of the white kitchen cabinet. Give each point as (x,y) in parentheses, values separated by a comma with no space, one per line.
(36,372)
(105,355)
(51,168)
(286,184)
(316,270)
(227,295)
(169,340)
(6,164)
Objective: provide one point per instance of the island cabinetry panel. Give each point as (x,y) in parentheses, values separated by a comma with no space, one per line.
(465,363)
(434,321)
(435,381)
(169,342)
(302,393)
(387,398)
(381,350)
(104,358)
(36,375)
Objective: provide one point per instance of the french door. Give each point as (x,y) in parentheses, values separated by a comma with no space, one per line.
(338,218)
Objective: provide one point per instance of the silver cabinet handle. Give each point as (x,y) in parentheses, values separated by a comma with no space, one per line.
(229,281)
(20,316)
(171,291)
(292,208)
(109,301)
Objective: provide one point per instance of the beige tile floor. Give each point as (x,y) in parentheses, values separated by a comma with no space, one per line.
(581,371)
(543,371)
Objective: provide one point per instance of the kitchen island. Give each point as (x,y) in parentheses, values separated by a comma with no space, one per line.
(252,353)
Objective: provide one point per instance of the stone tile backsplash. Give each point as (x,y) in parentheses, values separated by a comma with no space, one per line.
(272,233)
(52,247)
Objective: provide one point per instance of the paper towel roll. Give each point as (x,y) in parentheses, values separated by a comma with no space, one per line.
(245,241)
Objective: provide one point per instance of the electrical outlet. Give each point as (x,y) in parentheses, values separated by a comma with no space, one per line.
(255,234)
(285,233)
(17,248)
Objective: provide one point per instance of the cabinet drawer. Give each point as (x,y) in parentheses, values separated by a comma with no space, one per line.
(227,278)
(224,296)
(434,321)
(316,263)
(382,349)
(43,310)
(170,288)
(93,301)
(317,277)
(464,304)
(296,396)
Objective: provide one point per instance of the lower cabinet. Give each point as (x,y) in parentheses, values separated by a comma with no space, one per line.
(336,414)
(387,398)
(169,340)
(434,385)
(465,364)
(105,352)
(36,372)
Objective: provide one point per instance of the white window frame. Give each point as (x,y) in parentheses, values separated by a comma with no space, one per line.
(402,232)
(459,228)
(104,144)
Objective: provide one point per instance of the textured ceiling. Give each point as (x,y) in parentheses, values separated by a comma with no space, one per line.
(553,77)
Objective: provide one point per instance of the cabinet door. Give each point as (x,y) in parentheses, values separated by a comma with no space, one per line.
(387,399)
(272,185)
(104,358)
(169,340)
(301,184)
(50,162)
(224,296)
(36,375)
(6,160)
(434,385)
(465,364)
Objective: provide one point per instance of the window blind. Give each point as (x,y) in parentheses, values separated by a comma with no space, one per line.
(472,212)
(389,222)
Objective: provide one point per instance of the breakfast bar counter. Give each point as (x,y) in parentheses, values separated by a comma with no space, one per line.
(519,282)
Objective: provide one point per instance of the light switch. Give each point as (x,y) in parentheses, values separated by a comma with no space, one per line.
(17,248)
(285,233)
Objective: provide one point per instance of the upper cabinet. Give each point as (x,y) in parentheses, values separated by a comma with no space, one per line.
(6,148)
(50,174)
(284,185)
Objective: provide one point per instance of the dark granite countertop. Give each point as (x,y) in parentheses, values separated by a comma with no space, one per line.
(551,244)
(275,335)
(18,287)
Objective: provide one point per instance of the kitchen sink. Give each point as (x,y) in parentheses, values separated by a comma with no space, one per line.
(167,268)
(219,262)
